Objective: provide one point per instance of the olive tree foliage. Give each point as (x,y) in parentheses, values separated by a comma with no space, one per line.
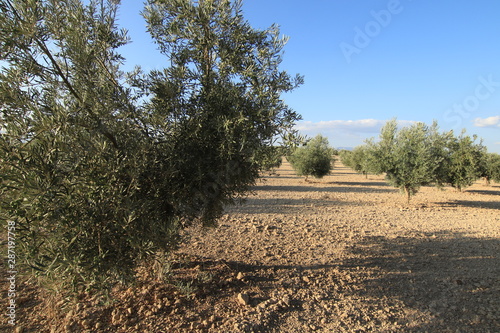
(440,150)
(462,164)
(315,158)
(75,160)
(345,157)
(358,159)
(100,172)
(221,94)
(414,163)
(420,155)
(406,157)
(490,168)
(380,152)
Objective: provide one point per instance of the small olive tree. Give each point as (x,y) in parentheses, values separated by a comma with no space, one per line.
(314,159)
(346,157)
(420,155)
(491,168)
(414,163)
(361,160)
(462,165)
(379,154)
(405,156)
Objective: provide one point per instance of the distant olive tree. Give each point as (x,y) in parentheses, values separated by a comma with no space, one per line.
(346,157)
(314,159)
(490,169)
(407,156)
(100,172)
(413,162)
(439,149)
(361,161)
(380,154)
(462,164)
(420,155)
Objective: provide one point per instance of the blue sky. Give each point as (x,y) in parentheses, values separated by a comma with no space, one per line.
(366,62)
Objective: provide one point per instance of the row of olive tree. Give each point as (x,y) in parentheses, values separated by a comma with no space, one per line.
(357,159)
(100,171)
(420,155)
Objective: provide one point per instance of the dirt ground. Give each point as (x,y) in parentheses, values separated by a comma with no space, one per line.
(341,254)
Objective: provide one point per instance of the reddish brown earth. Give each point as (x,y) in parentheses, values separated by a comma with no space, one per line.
(340,254)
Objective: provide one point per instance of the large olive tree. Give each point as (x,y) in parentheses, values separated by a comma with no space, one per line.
(99,173)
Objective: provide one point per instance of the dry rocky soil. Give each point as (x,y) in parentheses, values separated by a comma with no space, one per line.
(341,254)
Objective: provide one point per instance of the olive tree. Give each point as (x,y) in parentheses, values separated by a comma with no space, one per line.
(406,156)
(420,155)
(414,163)
(360,160)
(380,154)
(491,167)
(314,159)
(463,161)
(100,171)
(346,157)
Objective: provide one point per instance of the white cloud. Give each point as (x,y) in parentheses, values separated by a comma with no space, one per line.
(487,122)
(351,126)
(363,124)
(346,133)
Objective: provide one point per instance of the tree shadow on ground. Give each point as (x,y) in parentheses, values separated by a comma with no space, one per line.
(279,176)
(258,281)
(286,205)
(451,280)
(338,189)
(433,282)
(484,192)
(472,204)
(365,183)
